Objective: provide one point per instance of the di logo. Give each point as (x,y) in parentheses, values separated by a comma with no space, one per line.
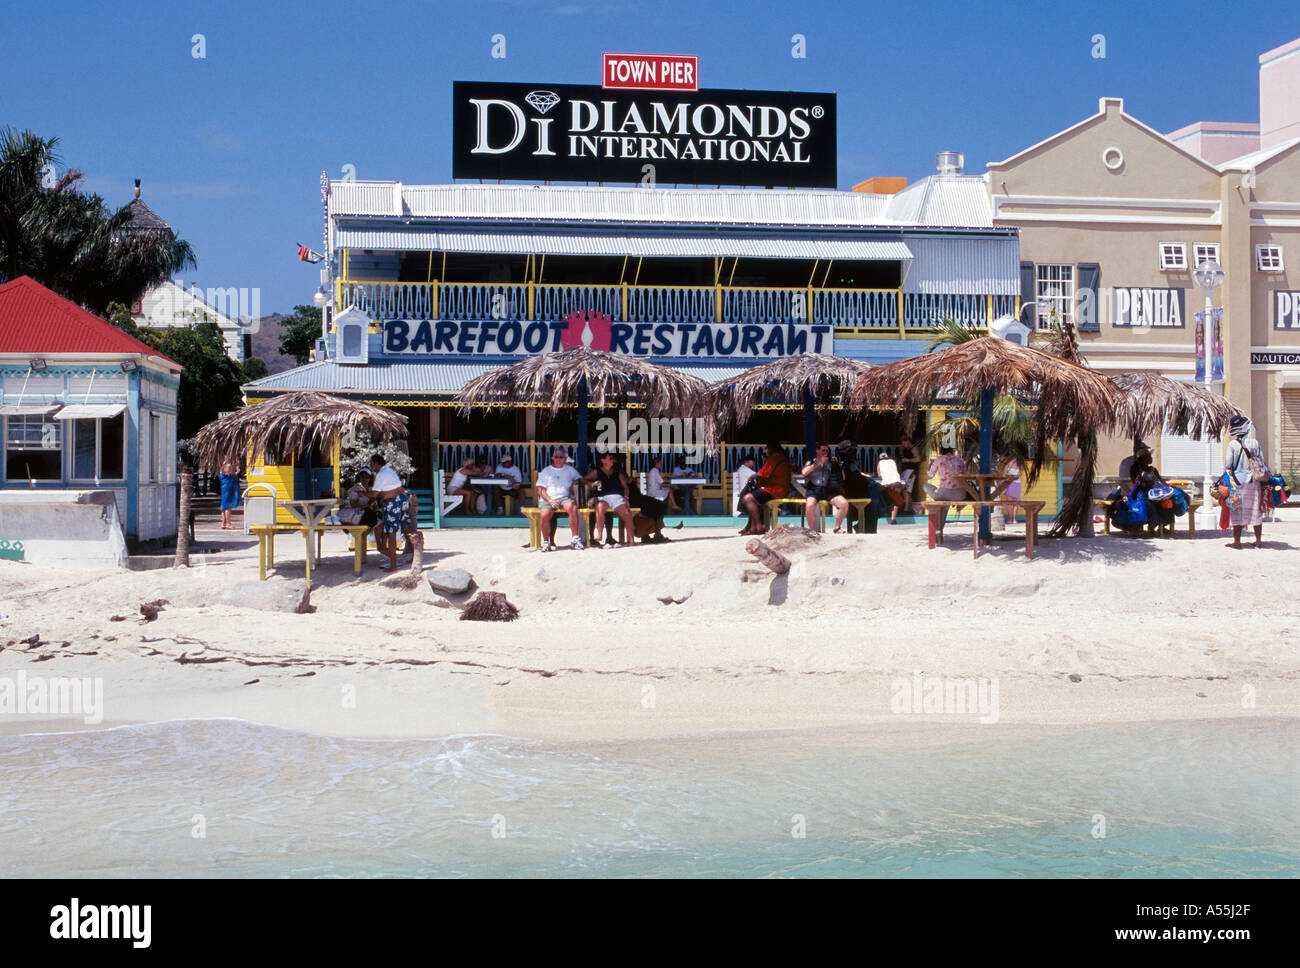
(586,327)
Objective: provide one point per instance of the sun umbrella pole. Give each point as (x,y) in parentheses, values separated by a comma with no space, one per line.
(809,426)
(986,453)
(582,426)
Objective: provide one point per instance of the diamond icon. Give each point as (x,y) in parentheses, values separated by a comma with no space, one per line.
(542,101)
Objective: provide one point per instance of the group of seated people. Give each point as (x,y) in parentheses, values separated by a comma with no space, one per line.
(479,466)
(839,480)
(612,491)
(1144,499)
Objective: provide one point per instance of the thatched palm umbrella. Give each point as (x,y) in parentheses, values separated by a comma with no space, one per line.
(284,426)
(1072,401)
(1150,402)
(814,379)
(587,378)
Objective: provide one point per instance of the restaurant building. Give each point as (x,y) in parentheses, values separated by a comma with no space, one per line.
(437,284)
(85,407)
(1114,218)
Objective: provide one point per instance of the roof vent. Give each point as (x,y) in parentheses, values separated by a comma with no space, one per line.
(137,188)
(949,162)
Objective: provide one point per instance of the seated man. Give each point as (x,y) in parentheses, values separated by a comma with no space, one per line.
(773,480)
(459,484)
(554,486)
(506,468)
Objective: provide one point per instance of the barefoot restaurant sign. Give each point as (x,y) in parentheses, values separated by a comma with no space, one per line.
(519,337)
(584,133)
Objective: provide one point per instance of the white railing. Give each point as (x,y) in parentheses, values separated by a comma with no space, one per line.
(479,301)
(859,308)
(765,305)
(556,302)
(380,300)
(671,304)
(927,309)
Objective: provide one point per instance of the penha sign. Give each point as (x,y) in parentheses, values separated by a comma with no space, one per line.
(581,133)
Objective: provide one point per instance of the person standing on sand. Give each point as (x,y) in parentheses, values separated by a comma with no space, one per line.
(892,484)
(909,462)
(1245,462)
(773,480)
(394,509)
(229,494)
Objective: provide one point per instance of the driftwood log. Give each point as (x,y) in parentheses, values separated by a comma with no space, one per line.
(773,560)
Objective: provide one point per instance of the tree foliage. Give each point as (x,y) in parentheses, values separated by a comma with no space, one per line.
(300,332)
(210,381)
(68,240)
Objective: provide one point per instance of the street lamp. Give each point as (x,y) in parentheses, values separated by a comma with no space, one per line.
(1209,276)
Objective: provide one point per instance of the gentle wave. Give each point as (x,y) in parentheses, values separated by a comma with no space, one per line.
(1179,799)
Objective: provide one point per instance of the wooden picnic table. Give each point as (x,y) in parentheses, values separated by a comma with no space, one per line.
(986,487)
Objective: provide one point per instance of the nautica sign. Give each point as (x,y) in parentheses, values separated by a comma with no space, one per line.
(567,132)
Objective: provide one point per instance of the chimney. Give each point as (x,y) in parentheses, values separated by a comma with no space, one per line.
(137,188)
(949,162)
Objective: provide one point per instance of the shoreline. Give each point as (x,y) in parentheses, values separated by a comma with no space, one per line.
(596,654)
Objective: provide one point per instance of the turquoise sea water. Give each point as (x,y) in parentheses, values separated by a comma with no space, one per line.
(1177,800)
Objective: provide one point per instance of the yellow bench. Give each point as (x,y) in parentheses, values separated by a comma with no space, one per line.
(534,516)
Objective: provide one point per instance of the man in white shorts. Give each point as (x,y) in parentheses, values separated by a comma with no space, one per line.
(554,493)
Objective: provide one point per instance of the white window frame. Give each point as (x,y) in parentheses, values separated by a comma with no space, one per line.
(1046,297)
(155,430)
(8,423)
(70,438)
(1204,252)
(1264,257)
(1173,256)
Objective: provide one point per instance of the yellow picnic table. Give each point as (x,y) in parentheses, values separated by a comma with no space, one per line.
(266,543)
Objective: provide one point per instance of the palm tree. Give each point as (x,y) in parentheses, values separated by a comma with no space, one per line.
(70,241)
(1013,427)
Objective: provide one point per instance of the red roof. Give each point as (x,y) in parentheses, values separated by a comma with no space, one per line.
(38,321)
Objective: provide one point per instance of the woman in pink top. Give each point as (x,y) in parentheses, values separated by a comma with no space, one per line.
(943,472)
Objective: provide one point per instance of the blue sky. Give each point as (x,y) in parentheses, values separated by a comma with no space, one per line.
(230,147)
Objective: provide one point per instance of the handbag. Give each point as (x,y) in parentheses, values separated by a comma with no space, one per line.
(1278,494)
(1227,492)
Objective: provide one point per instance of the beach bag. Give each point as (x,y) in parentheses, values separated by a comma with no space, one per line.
(1227,492)
(1131,513)
(1162,494)
(1278,494)
(1180,502)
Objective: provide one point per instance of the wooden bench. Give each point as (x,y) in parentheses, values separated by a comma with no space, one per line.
(266,543)
(1031,509)
(534,516)
(1107,506)
(800,504)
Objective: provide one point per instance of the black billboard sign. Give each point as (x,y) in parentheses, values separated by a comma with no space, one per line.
(582,133)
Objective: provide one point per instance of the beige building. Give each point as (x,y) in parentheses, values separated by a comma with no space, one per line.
(1114,218)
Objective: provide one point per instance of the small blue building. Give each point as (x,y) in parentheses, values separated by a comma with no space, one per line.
(84,406)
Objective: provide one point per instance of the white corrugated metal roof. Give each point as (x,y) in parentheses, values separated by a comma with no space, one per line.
(90,411)
(980,266)
(591,243)
(734,206)
(943,201)
(427,376)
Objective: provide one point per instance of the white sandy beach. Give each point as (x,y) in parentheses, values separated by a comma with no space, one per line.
(1106,629)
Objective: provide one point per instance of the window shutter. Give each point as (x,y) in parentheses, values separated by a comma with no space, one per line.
(1090,279)
(1027,293)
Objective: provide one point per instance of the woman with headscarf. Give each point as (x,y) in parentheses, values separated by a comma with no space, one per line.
(1245,463)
